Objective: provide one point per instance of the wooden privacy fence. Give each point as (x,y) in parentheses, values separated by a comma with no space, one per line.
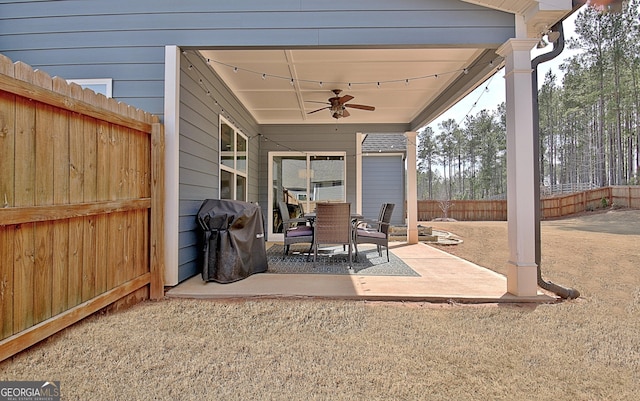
(553,207)
(81,205)
(464,210)
(624,196)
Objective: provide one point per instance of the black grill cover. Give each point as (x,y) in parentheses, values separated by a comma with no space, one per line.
(233,244)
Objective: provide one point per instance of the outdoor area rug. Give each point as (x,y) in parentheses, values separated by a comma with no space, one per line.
(334,261)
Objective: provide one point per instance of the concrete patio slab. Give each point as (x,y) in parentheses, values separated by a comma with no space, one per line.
(443,278)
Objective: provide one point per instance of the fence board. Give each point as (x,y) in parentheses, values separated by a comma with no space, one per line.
(7,143)
(23,264)
(24,195)
(44,175)
(89,259)
(43,272)
(77,169)
(6,280)
(28,214)
(61,174)
(76,258)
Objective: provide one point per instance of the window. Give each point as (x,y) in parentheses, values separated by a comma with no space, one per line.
(233,162)
(102,86)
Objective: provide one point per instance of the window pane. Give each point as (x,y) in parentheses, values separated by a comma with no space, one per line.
(226,145)
(327,178)
(241,188)
(226,180)
(241,162)
(289,183)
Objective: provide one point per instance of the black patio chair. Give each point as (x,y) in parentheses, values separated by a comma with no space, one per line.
(333,225)
(375,231)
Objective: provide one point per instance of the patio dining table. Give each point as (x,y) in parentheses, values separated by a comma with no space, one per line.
(311,216)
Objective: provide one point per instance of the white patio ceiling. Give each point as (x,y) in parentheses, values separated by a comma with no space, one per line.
(409,80)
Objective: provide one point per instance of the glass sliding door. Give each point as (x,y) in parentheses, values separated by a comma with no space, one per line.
(301,179)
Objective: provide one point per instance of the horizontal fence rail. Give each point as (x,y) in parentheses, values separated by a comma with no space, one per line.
(81,195)
(551,207)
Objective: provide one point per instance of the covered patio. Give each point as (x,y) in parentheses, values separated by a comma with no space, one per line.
(274,98)
(442,278)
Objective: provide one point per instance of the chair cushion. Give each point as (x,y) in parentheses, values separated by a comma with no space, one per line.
(299,231)
(371,234)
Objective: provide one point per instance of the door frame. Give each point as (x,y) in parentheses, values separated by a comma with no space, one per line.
(279,236)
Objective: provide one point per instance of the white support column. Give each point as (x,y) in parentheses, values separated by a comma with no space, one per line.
(521,203)
(359,138)
(412,188)
(171,130)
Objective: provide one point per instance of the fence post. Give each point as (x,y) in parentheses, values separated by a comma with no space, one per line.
(157,262)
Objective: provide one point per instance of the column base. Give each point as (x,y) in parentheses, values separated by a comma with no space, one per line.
(522,281)
(412,236)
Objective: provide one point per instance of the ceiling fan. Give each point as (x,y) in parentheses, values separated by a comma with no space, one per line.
(337,105)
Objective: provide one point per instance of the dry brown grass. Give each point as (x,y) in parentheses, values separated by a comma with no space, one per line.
(587,349)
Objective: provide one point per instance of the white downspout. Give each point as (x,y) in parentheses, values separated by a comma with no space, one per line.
(412,188)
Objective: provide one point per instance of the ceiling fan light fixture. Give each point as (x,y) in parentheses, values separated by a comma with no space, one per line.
(337,105)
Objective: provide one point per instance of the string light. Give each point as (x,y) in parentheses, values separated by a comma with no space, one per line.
(321,83)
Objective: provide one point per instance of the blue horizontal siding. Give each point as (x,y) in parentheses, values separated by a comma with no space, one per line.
(383,182)
(253,20)
(125,40)
(115,8)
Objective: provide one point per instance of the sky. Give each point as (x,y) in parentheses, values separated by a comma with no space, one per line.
(490,94)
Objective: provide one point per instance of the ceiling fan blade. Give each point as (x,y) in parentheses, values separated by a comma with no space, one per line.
(360,106)
(315,111)
(344,99)
(313,101)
